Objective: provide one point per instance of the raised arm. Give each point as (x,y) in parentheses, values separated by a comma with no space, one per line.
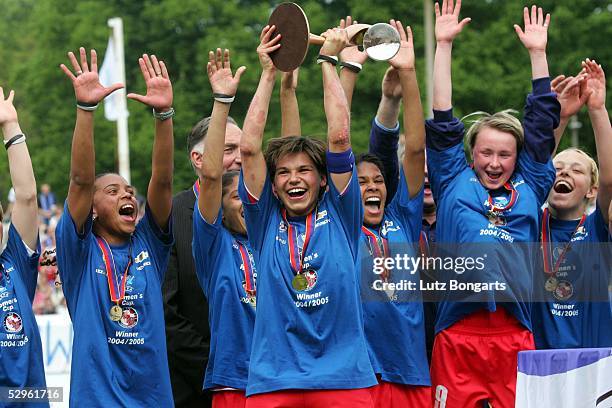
(88,92)
(159,97)
(389,107)
(351,62)
(414,128)
(25,211)
(210,173)
(542,111)
(336,107)
(290,111)
(571,93)
(385,130)
(447,28)
(600,120)
(534,38)
(253,162)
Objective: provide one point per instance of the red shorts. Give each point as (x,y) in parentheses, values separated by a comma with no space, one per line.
(392,395)
(228,399)
(476,360)
(358,398)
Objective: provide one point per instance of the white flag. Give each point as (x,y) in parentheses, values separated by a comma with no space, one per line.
(110,74)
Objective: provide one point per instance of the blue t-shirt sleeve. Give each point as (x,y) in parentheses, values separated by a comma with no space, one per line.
(383,144)
(408,210)
(541,118)
(445,155)
(443,131)
(257,212)
(158,241)
(26,265)
(205,246)
(349,207)
(540,177)
(72,249)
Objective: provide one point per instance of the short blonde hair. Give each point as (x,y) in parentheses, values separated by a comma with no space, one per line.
(590,160)
(504,121)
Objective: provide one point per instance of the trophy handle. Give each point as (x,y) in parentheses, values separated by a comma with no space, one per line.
(315,39)
(354,32)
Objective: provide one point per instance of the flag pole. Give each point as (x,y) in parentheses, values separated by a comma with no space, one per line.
(123,144)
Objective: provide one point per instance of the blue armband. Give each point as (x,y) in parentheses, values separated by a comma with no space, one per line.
(340,162)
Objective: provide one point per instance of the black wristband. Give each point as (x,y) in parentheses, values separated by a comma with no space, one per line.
(327,58)
(87,104)
(223,98)
(350,66)
(12,140)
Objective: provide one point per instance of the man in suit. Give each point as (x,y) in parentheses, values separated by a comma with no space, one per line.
(185,307)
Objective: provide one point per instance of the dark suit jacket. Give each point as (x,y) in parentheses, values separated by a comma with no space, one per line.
(185,311)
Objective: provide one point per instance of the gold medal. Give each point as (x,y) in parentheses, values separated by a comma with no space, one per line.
(299,282)
(115,313)
(551,284)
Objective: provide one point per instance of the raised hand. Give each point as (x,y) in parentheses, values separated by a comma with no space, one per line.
(404,59)
(86,83)
(570,93)
(336,40)
(351,53)
(220,73)
(596,84)
(289,80)
(391,85)
(447,21)
(159,88)
(8,114)
(267,44)
(535,35)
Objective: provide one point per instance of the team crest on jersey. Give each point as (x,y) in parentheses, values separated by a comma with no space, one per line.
(500,201)
(557,251)
(282,227)
(389,227)
(563,291)
(129,283)
(580,234)
(141,256)
(129,318)
(311,278)
(13,322)
(321,214)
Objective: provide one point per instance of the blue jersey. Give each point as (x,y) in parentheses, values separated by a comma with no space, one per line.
(116,363)
(219,257)
(463,207)
(564,317)
(21,363)
(394,323)
(309,339)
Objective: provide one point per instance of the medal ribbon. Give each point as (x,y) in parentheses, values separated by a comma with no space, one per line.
(248,268)
(547,252)
(379,245)
(116,294)
(196,188)
(513,197)
(294,254)
(424,243)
